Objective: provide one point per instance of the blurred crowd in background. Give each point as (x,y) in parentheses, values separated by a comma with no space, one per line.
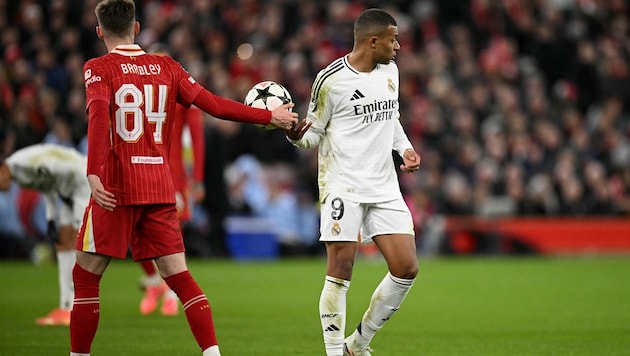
(517,107)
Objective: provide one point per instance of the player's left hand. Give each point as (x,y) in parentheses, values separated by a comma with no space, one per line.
(411,161)
(297,131)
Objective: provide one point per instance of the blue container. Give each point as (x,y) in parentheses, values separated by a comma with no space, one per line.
(251,238)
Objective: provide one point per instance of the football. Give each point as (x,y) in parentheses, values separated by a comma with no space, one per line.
(267,95)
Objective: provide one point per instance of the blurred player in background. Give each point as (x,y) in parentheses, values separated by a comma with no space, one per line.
(188,191)
(131,99)
(354,119)
(58,173)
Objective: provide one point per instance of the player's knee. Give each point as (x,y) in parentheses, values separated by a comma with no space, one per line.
(406,271)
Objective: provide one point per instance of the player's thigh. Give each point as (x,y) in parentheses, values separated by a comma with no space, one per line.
(341,219)
(390,217)
(157,232)
(390,226)
(399,251)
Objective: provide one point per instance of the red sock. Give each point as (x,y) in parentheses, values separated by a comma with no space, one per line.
(85,311)
(196,307)
(149,267)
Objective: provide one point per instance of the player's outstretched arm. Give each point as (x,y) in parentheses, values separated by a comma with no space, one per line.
(227,109)
(411,161)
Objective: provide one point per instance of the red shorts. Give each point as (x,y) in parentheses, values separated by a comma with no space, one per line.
(150,230)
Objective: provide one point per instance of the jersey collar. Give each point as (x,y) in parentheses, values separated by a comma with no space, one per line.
(128,50)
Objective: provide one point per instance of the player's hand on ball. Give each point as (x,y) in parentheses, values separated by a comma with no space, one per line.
(283,118)
(297,132)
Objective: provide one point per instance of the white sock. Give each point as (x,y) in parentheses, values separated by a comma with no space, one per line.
(153,280)
(78,354)
(170,294)
(386,299)
(65,263)
(211,351)
(332,312)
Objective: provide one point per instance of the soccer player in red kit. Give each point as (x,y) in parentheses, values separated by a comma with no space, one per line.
(130,100)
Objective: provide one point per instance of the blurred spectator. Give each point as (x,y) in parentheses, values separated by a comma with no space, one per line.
(269,192)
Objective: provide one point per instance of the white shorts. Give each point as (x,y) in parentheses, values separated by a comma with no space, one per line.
(344,220)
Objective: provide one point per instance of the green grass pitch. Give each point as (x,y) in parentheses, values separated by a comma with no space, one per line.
(468,306)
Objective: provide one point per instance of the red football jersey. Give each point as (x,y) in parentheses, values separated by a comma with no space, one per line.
(142,91)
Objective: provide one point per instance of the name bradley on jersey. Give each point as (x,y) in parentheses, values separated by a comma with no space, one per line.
(151,69)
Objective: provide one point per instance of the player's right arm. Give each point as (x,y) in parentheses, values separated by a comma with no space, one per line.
(310,131)
(228,109)
(191,92)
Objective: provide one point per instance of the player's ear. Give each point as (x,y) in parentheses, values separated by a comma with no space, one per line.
(373,40)
(136,28)
(99,32)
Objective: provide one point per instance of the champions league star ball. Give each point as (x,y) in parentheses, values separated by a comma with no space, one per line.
(267,95)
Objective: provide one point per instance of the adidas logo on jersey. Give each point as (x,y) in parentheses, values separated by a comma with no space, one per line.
(357,95)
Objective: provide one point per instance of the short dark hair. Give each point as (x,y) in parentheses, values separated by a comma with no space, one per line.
(116,17)
(372,22)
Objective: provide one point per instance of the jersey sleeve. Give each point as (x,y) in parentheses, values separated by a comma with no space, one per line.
(96,83)
(98,136)
(188,88)
(401,141)
(319,113)
(228,109)
(97,103)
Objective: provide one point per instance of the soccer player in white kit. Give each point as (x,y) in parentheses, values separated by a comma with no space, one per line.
(353,118)
(58,173)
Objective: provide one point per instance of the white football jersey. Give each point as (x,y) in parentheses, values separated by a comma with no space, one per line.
(55,171)
(356,124)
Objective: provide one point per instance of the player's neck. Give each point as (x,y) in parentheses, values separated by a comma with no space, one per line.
(360,61)
(112,43)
